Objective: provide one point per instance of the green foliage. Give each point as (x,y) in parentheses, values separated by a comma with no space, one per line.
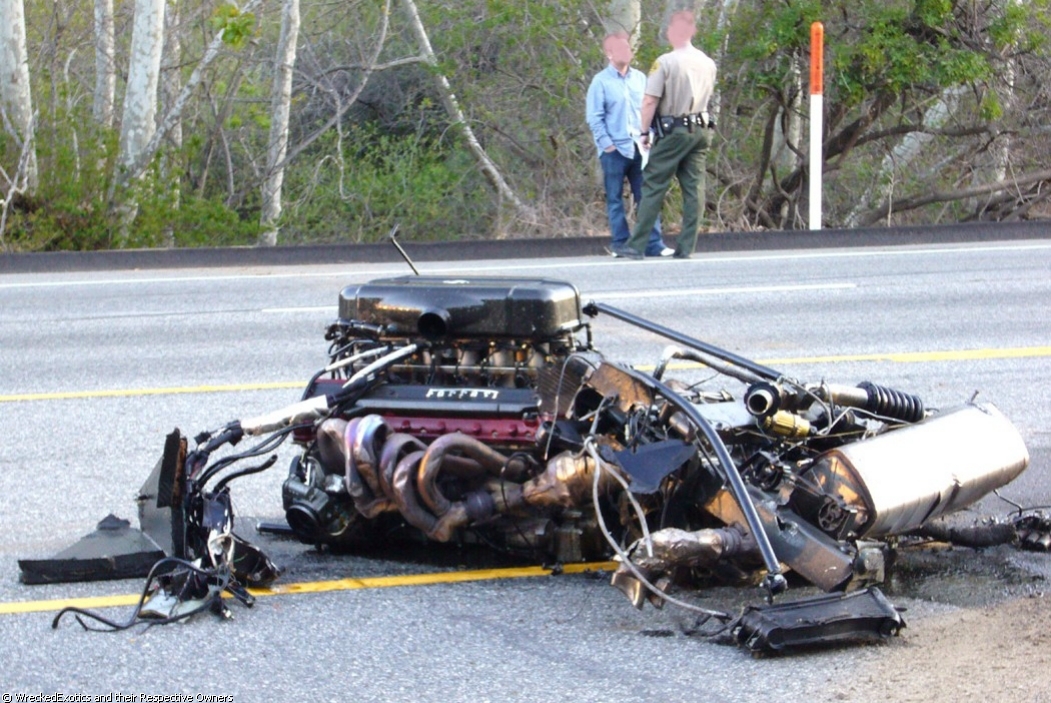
(933,13)
(193,222)
(1021,26)
(431,191)
(990,109)
(520,71)
(237,27)
(902,48)
(70,210)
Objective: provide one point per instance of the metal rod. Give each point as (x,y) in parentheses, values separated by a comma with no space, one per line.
(592,308)
(774,581)
(394,240)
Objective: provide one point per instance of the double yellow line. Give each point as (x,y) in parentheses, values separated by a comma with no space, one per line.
(347,584)
(127,392)
(900,358)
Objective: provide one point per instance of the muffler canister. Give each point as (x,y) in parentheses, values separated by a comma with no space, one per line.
(901,479)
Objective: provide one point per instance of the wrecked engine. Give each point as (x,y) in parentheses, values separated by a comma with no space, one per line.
(479,410)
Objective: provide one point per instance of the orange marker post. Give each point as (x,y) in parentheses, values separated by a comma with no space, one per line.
(817,79)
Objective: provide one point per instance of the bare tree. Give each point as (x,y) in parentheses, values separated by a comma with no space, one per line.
(171,70)
(105,64)
(171,84)
(452,107)
(900,157)
(279,111)
(174,114)
(15,96)
(138,124)
(624,16)
(15,186)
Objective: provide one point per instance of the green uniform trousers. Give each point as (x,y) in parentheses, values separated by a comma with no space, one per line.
(680,154)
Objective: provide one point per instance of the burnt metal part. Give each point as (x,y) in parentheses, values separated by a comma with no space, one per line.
(650,464)
(774,581)
(1034,532)
(809,551)
(974,536)
(861,616)
(115,550)
(161,495)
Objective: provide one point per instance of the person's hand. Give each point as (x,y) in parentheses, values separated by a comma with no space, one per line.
(610,149)
(644,141)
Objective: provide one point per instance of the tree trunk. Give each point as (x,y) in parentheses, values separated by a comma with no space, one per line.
(173,115)
(624,16)
(372,64)
(171,85)
(15,96)
(452,107)
(899,158)
(171,73)
(140,101)
(279,111)
(105,66)
(999,157)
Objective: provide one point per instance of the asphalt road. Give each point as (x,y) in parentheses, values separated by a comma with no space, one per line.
(97,366)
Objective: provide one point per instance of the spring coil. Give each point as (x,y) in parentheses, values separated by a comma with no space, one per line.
(891,403)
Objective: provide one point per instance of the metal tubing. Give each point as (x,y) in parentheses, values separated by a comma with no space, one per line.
(363,446)
(758,369)
(363,374)
(397,245)
(774,581)
(397,446)
(488,460)
(405,493)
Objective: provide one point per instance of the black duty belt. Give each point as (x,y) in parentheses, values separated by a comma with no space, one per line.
(667,124)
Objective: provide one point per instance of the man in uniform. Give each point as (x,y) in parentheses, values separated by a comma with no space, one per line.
(614,103)
(676,107)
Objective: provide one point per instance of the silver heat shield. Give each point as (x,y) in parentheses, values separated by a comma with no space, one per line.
(900,479)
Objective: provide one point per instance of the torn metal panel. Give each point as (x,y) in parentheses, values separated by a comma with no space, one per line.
(862,616)
(115,550)
(161,495)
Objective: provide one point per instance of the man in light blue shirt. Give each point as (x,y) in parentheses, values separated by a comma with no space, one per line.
(614,106)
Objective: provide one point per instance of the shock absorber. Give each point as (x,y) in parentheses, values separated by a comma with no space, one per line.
(879,400)
(888,402)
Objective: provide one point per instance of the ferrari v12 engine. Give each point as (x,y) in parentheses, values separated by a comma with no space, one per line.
(477,410)
(451,427)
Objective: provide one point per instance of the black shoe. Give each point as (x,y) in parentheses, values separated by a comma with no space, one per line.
(681,255)
(625,252)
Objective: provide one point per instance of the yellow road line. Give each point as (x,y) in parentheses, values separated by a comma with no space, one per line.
(920,357)
(348,584)
(125,393)
(900,357)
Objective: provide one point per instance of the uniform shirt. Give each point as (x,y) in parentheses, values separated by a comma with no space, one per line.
(683,79)
(614,109)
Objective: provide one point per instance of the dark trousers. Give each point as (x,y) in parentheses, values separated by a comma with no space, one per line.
(680,155)
(615,168)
